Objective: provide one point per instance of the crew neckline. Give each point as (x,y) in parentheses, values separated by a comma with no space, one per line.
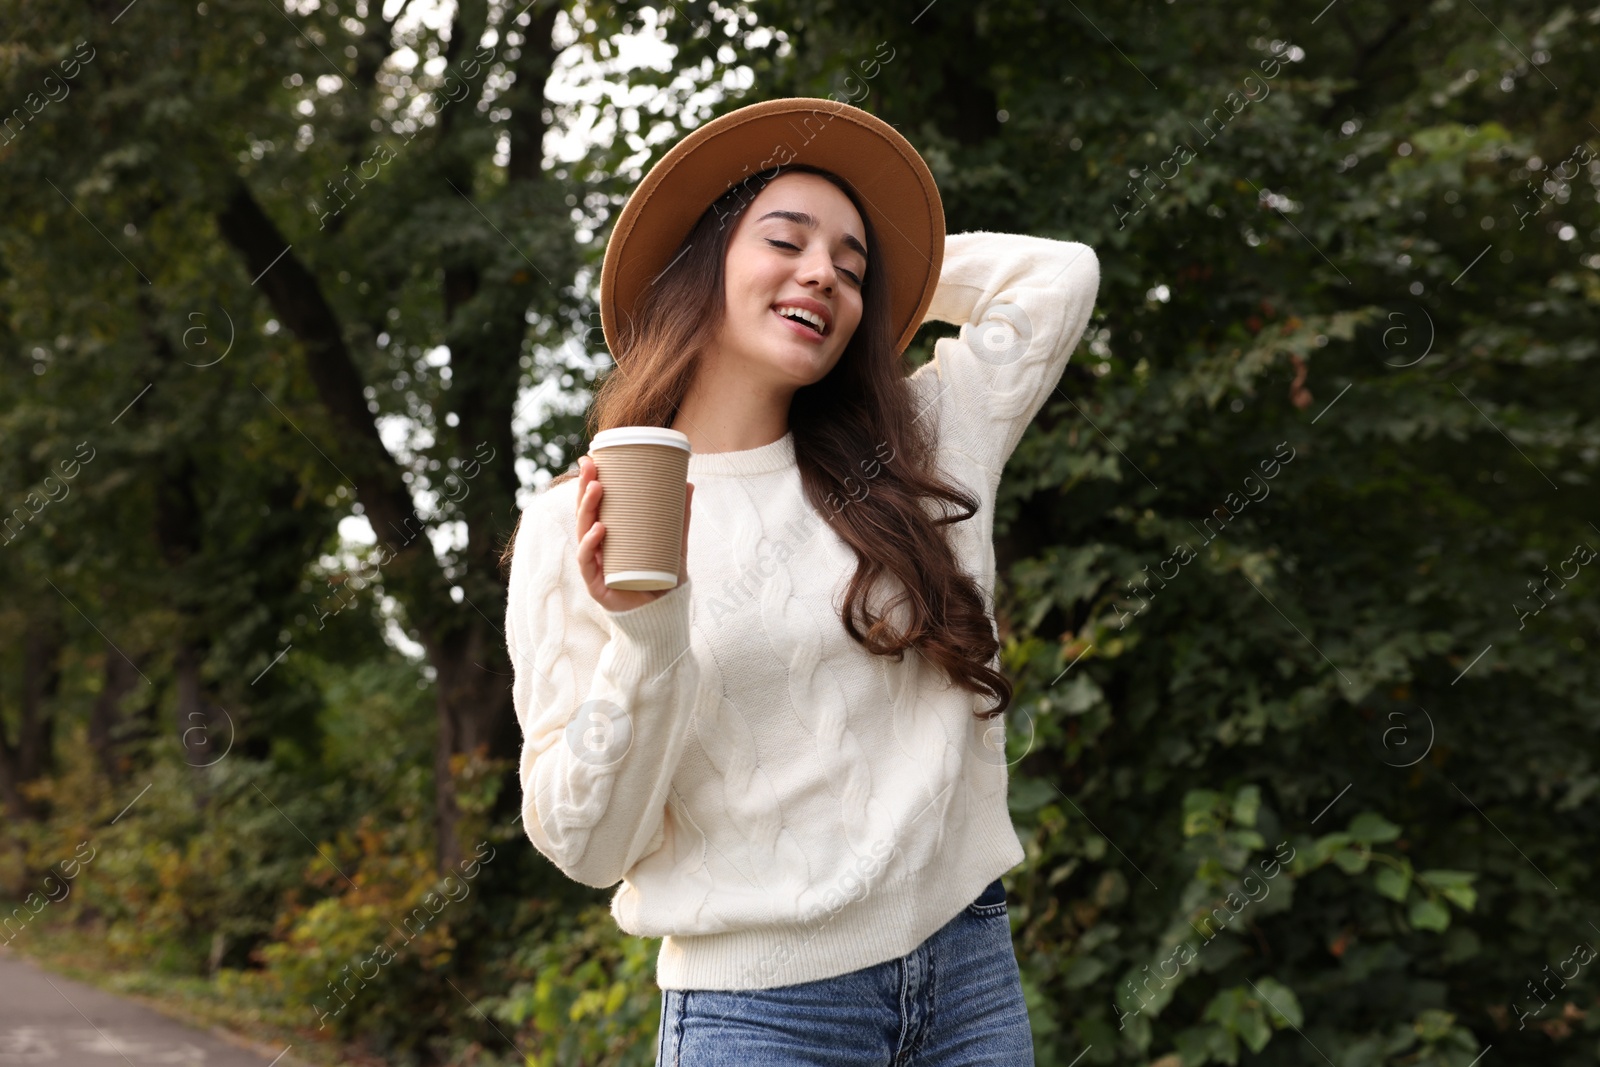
(763,460)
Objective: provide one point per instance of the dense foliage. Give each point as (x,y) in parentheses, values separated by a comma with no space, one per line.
(1293,584)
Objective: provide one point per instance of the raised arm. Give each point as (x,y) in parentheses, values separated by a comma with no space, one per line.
(1023,303)
(605,701)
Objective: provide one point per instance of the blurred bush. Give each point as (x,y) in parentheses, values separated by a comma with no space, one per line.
(1339,378)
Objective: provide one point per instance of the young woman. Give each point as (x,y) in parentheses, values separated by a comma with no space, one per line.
(791,760)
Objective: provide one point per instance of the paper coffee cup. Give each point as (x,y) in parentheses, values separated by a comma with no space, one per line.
(644,471)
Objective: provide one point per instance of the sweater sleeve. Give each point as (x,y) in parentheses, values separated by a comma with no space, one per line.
(1022,303)
(605,702)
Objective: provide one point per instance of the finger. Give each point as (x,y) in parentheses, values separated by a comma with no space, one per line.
(583,485)
(588,474)
(589,552)
(591,504)
(597,582)
(585,560)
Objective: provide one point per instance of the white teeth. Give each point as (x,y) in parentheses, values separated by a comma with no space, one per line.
(810,317)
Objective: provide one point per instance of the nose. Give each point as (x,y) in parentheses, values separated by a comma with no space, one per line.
(818,267)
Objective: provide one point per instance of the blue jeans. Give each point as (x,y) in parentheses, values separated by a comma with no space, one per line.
(954,1000)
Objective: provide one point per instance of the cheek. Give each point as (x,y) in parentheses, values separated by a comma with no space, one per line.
(853,318)
(755,289)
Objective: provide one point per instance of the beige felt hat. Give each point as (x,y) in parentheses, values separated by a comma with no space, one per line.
(888,175)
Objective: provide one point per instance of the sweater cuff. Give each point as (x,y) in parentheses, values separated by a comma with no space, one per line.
(652,637)
(956,296)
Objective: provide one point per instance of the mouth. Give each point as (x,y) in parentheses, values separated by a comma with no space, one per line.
(803,328)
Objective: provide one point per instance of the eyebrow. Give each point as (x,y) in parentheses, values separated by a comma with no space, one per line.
(810,221)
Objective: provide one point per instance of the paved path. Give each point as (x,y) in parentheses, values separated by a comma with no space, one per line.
(51,1021)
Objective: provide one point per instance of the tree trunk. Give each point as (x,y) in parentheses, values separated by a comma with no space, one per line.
(17,808)
(202,743)
(106,716)
(33,755)
(485,332)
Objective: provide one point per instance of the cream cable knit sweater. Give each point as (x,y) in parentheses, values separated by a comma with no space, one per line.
(779,804)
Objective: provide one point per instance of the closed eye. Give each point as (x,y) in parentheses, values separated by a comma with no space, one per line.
(785,244)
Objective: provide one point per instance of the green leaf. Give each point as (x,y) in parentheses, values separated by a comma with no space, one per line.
(1429,914)
(1461,944)
(1079,694)
(1282,1002)
(1225,1007)
(1134,1029)
(1433,1025)
(1254,1029)
(1248,840)
(1082,971)
(1370,828)
(1323,849)
(1394,882)
(1197,1045)
(1200,812)
(1028,795)
(1441,879)
(1099,934)
(1246,804)
(1352,860)
(1242,1012)
(1454,886)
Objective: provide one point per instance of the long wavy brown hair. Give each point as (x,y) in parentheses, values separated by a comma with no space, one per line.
(862,405)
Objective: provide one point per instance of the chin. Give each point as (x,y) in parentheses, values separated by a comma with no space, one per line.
(806,372)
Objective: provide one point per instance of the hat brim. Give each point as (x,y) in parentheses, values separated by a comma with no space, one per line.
(888,175)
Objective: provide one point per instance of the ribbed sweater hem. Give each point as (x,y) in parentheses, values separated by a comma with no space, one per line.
(890,921)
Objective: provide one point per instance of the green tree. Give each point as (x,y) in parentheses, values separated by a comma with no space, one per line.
(1304,741)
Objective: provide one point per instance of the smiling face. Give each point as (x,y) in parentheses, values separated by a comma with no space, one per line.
(796,260)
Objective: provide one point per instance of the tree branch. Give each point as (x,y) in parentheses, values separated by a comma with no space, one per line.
(466,25)
(298,301)
(526,98)
(1365,54)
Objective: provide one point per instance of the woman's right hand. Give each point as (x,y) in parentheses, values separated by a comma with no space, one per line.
(592,533)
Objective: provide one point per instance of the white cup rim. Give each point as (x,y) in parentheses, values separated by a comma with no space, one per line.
(640,435)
